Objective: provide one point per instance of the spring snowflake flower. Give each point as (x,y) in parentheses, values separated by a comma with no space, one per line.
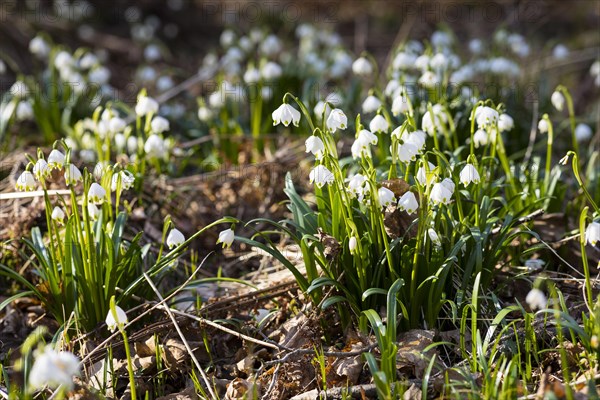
(204,114)
(352,245)
(362,67)
(39,47)
(252,76)
(424,177)
(428,79)
(408,202)
(469,175)
(486,117)
(155,146)
(320,176)
(25,182)
(271,71)
(19,90)
(379,124)
(422,62)
(403,60)
(159,124)
(337,120)
(40,169)
(175,238)
(145,106)
(226,237)
(536,299)
(386,196)
(93,211)
(116,125)
(583,132)
(362,145)
(315,145)
(558,100)
(72,175)
(592,233)
(56,159)
(407,151)
(58,215)
(53,369)
(285,115)
(24,111)
(543,126)
(429,123)
(417,138)
(115,319)
(127,180)
(321,108)
(400,105)
(357,187)
(440,194)
(96,193)
(505,123)
(434,237)
(371,104)
(480,138)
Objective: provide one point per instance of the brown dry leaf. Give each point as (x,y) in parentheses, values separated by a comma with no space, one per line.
(413,393)
(412,359)
(241,388)
(331,245)
(187,394)
(397,223)
(397,185)
(174,354)
(146,349)
(144,364)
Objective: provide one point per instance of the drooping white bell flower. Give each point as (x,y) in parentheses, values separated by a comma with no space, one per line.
(486,117)
(371,104)
(159,124)
(352,244)
(72,175)
(320,176)
(480,138)
(58,215)
(321,108)
(583,132)
(116,319)
(469,175)
(408,202)
(386,196)
(175,238)
(536,299)
(40,169)
(407,152)
(400,105)
(357,187)
(558,100)
(116,125)
(449,184)
(440,194)
(315,145)
(226,237)
(56,159)
(155,146)
(252,76)
(423,176)
(543,126)
(428,80)
(53,369)
(417,138)
(379,124)
(337,120)
(127,180)
(271,71)
(204,114)
(145,106)
(93,211)
(285,115)
(19,89)
(96,193)
(434,237)
(362,67)
(24,111)
(592,233)
(505,123)
(25,182)
(39,47)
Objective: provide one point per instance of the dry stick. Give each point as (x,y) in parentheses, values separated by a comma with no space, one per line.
(182,336)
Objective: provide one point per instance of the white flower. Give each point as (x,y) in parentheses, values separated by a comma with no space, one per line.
(175,238)
(583,132)
(271,45)
(39,47)
(72,175)
(439,61)
(433,236)
(429,123)
(362,144)
(226,237)
(24,111)
(315,145)
(53,369)
(159,124)
(386,196)
(440,194)
(337,120)
(543,125)
(422,62)
(155,146)
(99,75)
(116,124)
(320,176)
(146,105)
(423,176)
(227,38)
(428,79)
(127,180)
(558,100)
(404,60)
(286,114)
(505,123)
(271,71)
(407,151)
(152,53)
(400,105)
(204,114)
(536,299)
(449,184)
(88,61)
(93,211)
(469,174)
(25,182)
(592,233)
(19,90)
(486,117)
(379,124)
(40,169)
(58,215)
(252,76)
(480,138)
(417,138)
(266,92)
(362,67)
(408,202)
(475,46)
(371,104)
(63,61)
(96,193)
(56,159)
(321,108)
(115,319)
(352,244)
(357,187)
(534,263)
